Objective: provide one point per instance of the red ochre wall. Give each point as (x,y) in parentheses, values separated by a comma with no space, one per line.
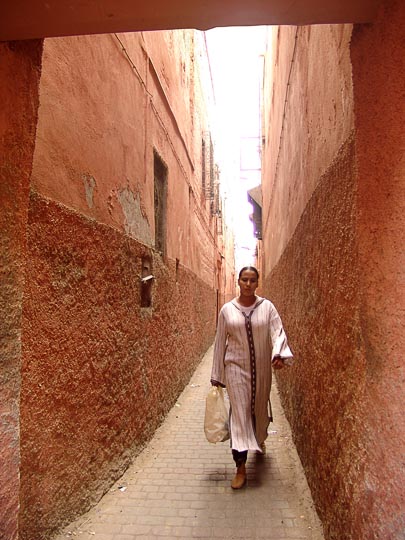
(378,58)
(333,193)
(100,372)
(20,67)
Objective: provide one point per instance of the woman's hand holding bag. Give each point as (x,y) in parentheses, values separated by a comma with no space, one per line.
(216,421)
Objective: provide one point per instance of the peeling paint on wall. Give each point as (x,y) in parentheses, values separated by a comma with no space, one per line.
(136,224)
(135,345)
(89,185)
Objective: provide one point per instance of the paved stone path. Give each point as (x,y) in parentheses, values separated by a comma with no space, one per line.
(179,486)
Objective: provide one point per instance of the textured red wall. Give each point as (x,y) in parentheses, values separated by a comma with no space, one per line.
(20,64)
(338,280)
(99,372)
(315,286)
(378,56)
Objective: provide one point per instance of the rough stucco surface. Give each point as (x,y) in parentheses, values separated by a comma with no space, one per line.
(99,372)
(378,56)
(20,69)
(339,285)
(315,287)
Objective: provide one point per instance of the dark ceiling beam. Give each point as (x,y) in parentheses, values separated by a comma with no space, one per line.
(28,19)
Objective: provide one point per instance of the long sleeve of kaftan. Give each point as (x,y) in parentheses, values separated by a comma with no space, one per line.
(218,366)
(279,339)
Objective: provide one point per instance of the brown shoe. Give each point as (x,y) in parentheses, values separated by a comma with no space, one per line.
(239,479)
(263,448)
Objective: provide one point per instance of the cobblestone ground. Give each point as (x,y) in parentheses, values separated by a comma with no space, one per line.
(179,486)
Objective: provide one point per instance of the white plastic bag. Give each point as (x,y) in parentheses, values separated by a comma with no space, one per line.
(216,421)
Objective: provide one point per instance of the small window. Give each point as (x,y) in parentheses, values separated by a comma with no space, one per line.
(160,195)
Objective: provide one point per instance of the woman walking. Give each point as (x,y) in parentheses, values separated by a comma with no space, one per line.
(250,340)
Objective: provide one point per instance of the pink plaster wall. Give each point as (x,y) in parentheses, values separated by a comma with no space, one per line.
(303,137)
(20,67)
(99,371)
(90,151)
(100,148)
(378,57)
(333,259)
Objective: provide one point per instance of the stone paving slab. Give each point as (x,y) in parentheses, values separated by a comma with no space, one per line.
(179,486)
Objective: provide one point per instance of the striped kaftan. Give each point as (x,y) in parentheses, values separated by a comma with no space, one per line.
(246,342)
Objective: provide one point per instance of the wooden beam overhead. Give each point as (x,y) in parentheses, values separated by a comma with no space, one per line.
(28,19)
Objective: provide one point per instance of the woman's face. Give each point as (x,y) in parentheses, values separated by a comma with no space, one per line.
(248,283)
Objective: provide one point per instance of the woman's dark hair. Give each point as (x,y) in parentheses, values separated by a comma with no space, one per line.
(252,268)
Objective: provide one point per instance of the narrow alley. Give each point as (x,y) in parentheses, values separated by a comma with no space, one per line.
(149,151)
(179,486)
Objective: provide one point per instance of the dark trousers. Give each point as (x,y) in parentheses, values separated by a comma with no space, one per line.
(239,457)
